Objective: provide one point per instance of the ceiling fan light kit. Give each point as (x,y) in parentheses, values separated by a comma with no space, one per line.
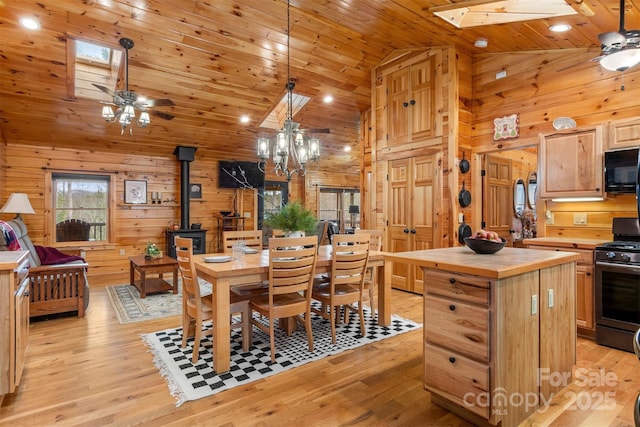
(127,102)
(620,50)
(290,141)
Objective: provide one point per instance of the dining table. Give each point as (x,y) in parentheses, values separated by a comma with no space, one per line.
(253,268)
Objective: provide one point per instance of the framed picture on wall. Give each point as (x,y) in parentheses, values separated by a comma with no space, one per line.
(135,191)
(195,191)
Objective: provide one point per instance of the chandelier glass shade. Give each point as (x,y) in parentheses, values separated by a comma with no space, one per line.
(294,153)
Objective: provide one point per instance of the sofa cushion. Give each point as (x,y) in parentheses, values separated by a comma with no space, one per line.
(20,231)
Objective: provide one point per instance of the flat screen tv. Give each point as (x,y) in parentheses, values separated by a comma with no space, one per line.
(232,174)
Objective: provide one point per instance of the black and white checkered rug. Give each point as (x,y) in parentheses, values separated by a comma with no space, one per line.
(190,382)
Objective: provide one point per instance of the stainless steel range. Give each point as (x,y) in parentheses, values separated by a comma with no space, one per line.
(617,286)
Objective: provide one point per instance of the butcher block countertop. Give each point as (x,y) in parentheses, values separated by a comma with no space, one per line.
(506,263)
(565,242)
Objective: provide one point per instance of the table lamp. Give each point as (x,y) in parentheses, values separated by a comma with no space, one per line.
(18,203)
(354,210)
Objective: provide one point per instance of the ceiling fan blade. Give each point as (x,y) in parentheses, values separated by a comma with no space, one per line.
(612,38)
(104,89)
(162,115)
(162,102)
(321,130)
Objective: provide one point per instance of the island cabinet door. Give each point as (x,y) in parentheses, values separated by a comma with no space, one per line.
(557,327)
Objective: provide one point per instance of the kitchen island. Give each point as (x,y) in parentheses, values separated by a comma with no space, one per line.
(499,330)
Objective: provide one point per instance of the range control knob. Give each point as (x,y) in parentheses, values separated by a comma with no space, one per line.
(626,257)
(611,255)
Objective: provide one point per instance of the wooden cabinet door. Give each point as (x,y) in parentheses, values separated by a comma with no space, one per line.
(422,100)
(571,164)
(21,331)
(411,215)
(398,95)
(498,197)
(623,134)
(584,297)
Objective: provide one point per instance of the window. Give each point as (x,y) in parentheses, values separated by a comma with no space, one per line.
(334,206)
(90,53)
(80,206)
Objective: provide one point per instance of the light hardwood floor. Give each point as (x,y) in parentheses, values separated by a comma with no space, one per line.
(96,372)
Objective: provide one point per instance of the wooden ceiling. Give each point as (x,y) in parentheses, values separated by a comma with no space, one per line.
(221,59)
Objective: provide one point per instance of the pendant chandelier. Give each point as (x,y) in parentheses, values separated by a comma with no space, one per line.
(293,152)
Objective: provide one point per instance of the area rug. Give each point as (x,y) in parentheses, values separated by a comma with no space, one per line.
(130,308)
(190,382)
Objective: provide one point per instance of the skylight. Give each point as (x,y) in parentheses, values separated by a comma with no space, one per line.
(93,63)
(278,114)
(473,13)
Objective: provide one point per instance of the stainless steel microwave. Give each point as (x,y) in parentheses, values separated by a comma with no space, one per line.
(621,170)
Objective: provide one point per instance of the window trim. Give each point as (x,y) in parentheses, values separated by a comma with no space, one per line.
(49,223)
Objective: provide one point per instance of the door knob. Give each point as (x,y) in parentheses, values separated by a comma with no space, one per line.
(406,230)
(413,231)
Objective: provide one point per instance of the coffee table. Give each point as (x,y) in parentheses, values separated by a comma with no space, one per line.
(153,285)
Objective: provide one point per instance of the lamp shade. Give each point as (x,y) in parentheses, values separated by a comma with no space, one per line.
(18,203)
(354,209)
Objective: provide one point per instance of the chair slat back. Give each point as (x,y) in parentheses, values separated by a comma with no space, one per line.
(292,262)
(349,259)
(253,238)
(376,238)
(190,285)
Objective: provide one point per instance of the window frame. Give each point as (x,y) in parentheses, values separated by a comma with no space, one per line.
(50,223)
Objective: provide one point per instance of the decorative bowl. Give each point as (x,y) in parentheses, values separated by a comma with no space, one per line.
(225,213)
(483,246)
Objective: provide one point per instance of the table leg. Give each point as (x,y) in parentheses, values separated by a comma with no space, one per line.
(143,278)
(221,327)
(132,270)
(175,280)
(384,293)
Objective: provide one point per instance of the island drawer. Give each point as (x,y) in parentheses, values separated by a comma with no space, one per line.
(460,286)
(461,380)
(458,326)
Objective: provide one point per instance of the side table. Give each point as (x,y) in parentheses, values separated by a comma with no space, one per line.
(153,285)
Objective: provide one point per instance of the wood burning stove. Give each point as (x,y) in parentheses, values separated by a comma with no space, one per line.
(185,155)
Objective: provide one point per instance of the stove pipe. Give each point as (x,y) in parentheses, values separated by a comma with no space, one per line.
(186,156)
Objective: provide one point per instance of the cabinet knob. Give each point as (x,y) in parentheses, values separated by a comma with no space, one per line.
(406,230)
(412,102)
(588,273)
(405,104)
(452,307)
(452,359)
(452,280)
(413,231)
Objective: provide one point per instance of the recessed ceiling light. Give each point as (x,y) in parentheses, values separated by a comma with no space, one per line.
(347,148)
(244,119)
(481,43)
(560,28)
(30,23)
(327,99)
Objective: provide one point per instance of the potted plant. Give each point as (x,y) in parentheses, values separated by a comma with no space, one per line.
(291,218)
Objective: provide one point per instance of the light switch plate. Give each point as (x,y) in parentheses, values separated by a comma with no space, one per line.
(579,219)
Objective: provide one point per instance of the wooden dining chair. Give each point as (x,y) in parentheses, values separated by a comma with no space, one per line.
(371,278)
(197,308)
(292,261)
(345,285)
(252,239)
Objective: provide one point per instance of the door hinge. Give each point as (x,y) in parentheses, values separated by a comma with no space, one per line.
(387,177)
(483,172)
(483,225)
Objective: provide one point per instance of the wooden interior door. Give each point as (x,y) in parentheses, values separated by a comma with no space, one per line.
(422,99)
(498,196)
(411,215)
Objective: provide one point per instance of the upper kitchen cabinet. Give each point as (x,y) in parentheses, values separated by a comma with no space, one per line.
(623,134)
(571,164)
(414,102)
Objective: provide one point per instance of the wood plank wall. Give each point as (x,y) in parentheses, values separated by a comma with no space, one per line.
(135,226)
(541,86)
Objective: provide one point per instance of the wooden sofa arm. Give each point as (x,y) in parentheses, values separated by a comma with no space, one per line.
(57,288)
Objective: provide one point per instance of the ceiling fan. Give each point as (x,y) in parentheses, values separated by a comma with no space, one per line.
(621,49)
(127,102)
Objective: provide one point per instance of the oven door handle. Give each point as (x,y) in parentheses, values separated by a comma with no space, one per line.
(618,267)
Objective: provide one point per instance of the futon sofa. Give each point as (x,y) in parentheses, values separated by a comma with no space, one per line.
(57,288)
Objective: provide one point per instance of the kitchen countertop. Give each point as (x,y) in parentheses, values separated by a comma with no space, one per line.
(506,263)
(566,242)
